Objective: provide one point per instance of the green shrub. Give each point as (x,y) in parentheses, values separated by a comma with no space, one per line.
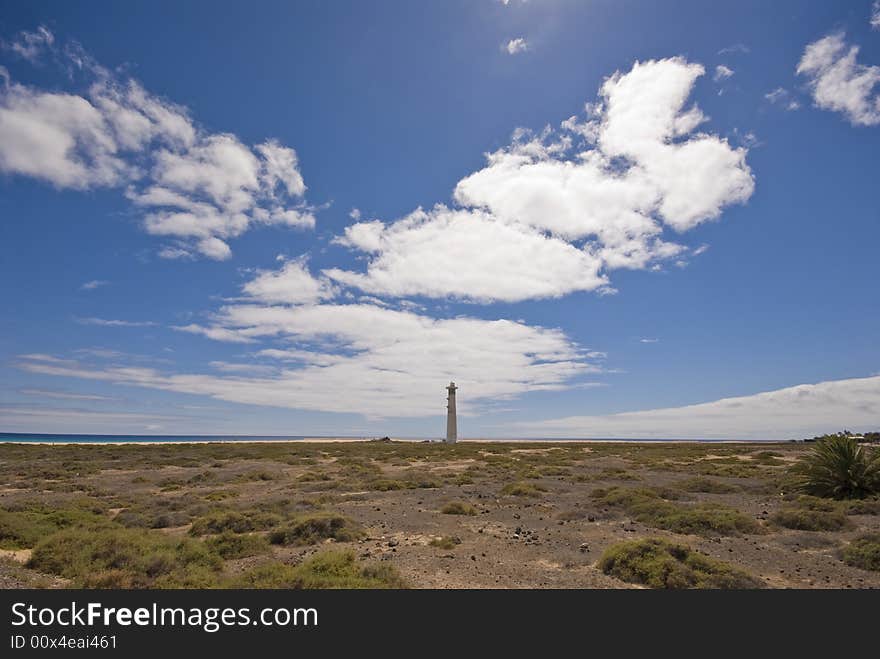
(121,558)
(660,564)
(838,468)
(386,485)
(458,508)
(446,542)
(329,569)
(218,495)
(522,490)
(864,552)
(708,485)
(804,519)
(235,521)
(22,529)
(646,506)
(237,545)
(314,476)
(863,507)
(261,475)
(316,527)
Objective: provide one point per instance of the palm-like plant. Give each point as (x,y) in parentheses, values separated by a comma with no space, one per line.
(838,468)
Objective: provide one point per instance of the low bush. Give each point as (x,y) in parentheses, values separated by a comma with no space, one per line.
(22,529)
(386,485)
(708,485)
(446,542)
(235,521)
(805,519)
(329,569)
(648,507)
(237,545)
(660,564)
(864,552)
(124,558)
(458,508)
(316,527)
(523,490)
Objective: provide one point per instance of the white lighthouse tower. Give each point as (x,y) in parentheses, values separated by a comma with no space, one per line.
(451,421)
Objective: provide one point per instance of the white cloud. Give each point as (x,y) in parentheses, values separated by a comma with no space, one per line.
(103,322)
(781,96)
(292,284)
(199,188)
(468,255)
(365,359)
(514,46)
(737,48)
(216,333)
(546,217)
(62,420)
(214,248)
(58,138)
(63,395)
(722,73)
(875,15)
(839,83)
(31,45)
(93,284)
(796,412)
(646,340)
(171,252)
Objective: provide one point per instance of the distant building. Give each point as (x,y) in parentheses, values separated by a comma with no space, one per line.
(451,420)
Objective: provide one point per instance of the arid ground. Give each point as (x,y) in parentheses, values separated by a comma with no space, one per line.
(472,515)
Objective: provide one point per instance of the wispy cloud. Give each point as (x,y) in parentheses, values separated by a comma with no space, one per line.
(782,97)
(31,45)
(104,322)
(93,284)
(722,73)
(792,413)
(647,340)
(517,45)
(737,48)
(64,395)
(362,359)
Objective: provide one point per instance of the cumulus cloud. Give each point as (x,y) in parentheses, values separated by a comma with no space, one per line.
(514,46)
(292,284)
(840,83)
(197,188)
(361,358)
(796,412)
(467,254)
(554,212)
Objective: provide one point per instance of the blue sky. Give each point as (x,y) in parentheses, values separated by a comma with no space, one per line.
(600,218)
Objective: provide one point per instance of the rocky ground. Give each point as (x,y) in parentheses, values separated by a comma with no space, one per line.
(541,514)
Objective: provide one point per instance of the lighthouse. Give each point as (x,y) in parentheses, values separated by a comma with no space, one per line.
(451,421)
